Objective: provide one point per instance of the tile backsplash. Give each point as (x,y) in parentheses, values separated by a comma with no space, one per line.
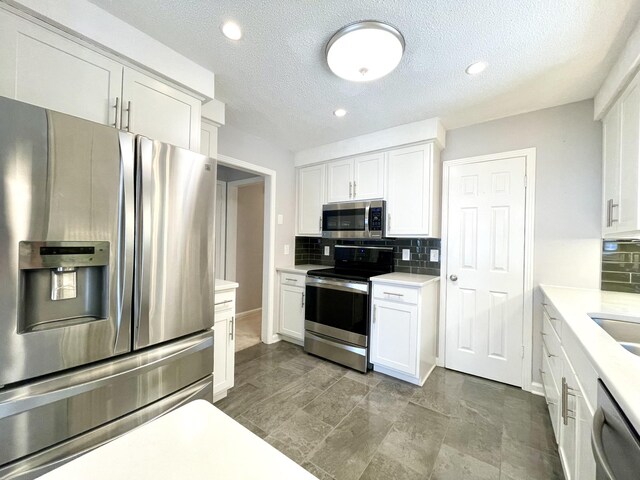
(621,266)
(311,250)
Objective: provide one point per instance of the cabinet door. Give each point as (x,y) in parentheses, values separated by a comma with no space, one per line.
(368,177)
(340,181)
(223,352)
(627,212)
(394,336)
(611,167)
(311,189)
(159,111)
(409,191)
(208,139)
(292,311)
(43,68)
(585,463)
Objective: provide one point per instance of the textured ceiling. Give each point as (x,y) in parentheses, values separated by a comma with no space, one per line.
(276,84)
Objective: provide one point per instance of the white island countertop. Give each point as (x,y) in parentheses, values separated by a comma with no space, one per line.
(618,368)
(406,279)
(194,442)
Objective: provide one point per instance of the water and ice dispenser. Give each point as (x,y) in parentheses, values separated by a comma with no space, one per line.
(62,284)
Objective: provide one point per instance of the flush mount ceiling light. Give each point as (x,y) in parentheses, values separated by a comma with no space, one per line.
(340,112)
(476,68)
(364,51)
(231,30)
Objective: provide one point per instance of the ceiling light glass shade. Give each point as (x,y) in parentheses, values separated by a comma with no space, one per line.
(232,30)
(364,51)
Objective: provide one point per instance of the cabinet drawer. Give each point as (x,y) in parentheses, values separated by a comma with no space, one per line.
(585,373)
(395,293)
(550,312)
(552,350)
(551,392)
(224,301)
(292,279)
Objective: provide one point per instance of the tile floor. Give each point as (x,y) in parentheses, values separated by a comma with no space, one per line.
(248,330)
(340,424)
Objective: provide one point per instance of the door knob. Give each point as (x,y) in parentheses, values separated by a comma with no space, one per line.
(453,278)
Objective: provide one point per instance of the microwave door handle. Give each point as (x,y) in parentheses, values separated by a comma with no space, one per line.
(366,220)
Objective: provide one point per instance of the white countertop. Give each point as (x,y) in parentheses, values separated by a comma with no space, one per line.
(408,279)
(225,284)
(618,368)
(300,268)
(196,441)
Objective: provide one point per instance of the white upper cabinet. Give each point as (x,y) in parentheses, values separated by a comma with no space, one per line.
(621,174)
(359,178)
(45,68)
(159,111)
(413,192)
(311,197)
(339,180)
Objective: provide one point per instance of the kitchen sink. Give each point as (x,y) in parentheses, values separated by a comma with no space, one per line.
(626,333)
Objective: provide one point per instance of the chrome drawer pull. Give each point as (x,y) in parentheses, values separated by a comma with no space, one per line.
(395,294)
(291,279)
(222,303)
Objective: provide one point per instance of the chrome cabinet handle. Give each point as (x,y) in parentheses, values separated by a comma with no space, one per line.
(290,279)
(128,110)
(453,278)
(388,221)
(354,189)
(565,402)
(599,420)
(231,329)
(222,303)
(350,186)
(320,224)
(609,208)
(117,113)
(302,302)
(614,205)
(395,294)
(375,311)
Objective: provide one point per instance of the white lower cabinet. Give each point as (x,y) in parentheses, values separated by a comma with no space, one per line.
(403,329)
(568,382)
(291,306)
(224,343)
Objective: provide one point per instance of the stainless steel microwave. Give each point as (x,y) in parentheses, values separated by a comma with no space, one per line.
(354,219)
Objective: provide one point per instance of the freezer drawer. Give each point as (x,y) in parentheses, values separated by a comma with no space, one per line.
(49,411)
(174,293)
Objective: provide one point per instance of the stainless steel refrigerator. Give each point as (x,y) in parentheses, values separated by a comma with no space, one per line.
(107,284)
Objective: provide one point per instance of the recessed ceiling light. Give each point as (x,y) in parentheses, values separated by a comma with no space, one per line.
(364,51)
(231,30)
(340,112)
(476,68)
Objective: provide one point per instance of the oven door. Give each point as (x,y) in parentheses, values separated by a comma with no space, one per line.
(338,309)
(345,220)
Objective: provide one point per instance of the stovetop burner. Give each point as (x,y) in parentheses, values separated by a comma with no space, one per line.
(356,275)
(357,263)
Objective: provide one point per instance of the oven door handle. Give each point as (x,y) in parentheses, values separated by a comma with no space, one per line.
(354,287)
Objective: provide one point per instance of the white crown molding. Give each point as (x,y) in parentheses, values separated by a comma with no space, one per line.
(410,133)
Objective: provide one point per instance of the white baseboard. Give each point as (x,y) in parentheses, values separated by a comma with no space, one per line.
(247,313)
(537,389)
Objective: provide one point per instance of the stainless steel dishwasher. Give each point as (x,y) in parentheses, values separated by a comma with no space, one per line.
(615,443)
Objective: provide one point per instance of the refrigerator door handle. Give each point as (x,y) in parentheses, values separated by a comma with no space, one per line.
(125,238)
(143,239)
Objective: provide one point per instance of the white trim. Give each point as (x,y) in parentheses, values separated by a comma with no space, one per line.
(402,135)
(221,236)
(537,389)
(527,323)
(241,315)
(269,242)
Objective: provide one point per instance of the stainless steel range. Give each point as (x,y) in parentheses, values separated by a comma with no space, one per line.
(106,305)
(337,305)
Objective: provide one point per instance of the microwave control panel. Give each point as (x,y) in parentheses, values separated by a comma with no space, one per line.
(375,219)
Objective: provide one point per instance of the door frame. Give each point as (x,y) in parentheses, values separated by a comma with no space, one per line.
(527,327)
(268,241)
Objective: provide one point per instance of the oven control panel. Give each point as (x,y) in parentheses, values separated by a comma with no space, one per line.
(375,219)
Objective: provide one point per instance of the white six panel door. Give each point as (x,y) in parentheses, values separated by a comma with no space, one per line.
(484,305)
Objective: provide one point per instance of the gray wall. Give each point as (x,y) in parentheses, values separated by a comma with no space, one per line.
(568,190)
(228,174)
(249,148)
(250,230)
